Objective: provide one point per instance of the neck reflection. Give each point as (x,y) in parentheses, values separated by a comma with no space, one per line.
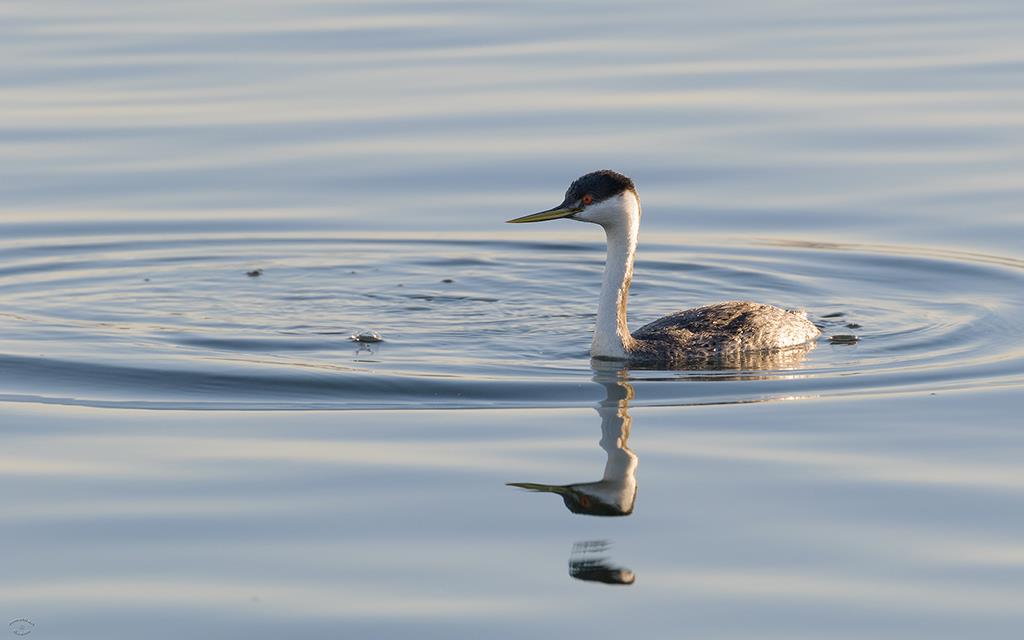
(615,493)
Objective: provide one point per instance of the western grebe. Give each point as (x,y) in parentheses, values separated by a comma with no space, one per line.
(721,330)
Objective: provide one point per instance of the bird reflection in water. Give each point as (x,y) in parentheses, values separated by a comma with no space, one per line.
(587,562)
(615,493)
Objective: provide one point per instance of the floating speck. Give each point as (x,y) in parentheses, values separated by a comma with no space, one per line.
(21,626)
(447,281)
(367,336)
(843,338)
(255,273)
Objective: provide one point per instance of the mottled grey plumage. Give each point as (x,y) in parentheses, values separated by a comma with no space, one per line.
(739,334)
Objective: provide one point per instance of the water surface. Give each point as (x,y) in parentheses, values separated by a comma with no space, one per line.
(190,451)
(178,322)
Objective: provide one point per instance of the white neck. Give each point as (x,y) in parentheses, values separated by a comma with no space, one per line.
(615,426)
(611,333)
(618,485)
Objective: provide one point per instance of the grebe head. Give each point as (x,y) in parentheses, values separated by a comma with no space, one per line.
(602,498)
(603,197)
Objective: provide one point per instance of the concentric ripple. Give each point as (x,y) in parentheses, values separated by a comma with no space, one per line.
(186,322)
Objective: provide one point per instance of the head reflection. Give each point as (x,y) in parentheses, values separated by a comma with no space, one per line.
(615,493)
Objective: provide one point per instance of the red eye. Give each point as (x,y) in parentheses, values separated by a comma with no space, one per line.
(587,199)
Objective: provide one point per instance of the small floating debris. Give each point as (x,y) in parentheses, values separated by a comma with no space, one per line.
(367,336)
(21,626)
(843,338)
(255,273)
(447,281)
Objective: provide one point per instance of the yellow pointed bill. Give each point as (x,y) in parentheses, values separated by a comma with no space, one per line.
(551,214)
(543,488)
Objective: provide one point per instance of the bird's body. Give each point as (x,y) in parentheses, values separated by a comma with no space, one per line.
(724,331)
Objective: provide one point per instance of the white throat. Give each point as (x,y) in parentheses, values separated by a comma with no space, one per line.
(620,470)
(611,333)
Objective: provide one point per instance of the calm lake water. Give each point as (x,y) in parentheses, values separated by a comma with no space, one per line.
(191,451)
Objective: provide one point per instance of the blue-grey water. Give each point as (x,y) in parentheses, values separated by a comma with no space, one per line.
(191,451)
